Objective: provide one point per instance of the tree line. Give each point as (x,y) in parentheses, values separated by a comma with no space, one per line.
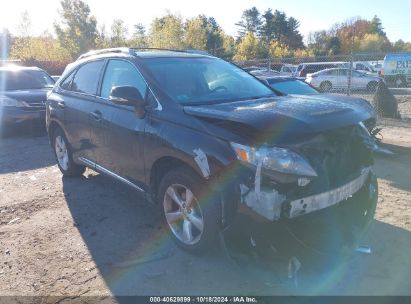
(270,34)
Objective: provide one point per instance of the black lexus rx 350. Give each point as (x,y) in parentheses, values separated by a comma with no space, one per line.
(211,144)
(23,93)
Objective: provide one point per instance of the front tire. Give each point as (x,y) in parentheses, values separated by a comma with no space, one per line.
(64,158)
(190,209)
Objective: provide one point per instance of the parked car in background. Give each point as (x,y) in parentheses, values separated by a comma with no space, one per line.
(254,68)
(396,69)
(212,145)
(23,92)
(290,85)
(265,73)
(308,68)
(288,70)
(363,66)
(337,79)
(55,77)
(377,67)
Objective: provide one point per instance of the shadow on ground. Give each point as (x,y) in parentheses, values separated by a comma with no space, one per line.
(135,256)
(392,169)
(27,146)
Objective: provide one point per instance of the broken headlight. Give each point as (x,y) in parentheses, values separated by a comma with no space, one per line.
(275,159)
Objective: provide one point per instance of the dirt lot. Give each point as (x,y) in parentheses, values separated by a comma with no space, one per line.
(91,235)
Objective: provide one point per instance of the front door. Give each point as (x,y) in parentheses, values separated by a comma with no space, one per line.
(124,153)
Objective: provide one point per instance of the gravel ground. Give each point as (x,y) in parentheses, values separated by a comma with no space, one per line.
(404,102)
(92,236)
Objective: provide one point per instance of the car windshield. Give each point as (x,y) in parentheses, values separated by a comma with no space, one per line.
(293,87)
(25,80)
(205,80)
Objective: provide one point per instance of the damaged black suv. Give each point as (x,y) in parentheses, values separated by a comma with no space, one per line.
(212,144)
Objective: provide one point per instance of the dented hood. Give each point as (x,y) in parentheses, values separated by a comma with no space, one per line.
(283,116)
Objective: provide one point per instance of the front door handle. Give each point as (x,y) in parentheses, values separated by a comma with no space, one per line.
(61,104)
(96,115)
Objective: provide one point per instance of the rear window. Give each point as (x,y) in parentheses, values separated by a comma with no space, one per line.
(25,80)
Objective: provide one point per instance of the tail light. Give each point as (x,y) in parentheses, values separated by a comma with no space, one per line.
(382,72)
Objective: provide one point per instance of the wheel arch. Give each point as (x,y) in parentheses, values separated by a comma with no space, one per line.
(52,127)
(163,165)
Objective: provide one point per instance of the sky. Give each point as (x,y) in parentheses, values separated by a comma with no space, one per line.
(313,14)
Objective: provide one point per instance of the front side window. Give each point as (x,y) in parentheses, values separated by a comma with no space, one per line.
(25,80)
(357,74)
(122,73)
(204,80)
(340,72)
(87,77)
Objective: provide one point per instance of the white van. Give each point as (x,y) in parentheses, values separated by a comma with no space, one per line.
(396,69)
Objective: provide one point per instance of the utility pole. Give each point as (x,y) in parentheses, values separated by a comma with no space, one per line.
(351,62)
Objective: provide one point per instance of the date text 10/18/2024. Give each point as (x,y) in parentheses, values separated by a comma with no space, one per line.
(198,299)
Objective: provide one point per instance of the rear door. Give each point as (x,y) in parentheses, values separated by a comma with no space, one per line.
(359,80)
(123,154)
(77,94)
(341,78)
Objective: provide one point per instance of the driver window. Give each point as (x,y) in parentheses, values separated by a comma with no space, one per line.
(121,73)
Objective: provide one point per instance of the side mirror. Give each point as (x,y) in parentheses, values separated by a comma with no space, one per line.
(128,96)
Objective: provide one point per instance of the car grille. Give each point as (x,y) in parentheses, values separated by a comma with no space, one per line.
(337,156)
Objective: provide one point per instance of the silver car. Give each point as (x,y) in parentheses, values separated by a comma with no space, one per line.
(337,79)
(288,70)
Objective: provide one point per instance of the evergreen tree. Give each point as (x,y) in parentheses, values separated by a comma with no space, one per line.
(250,22)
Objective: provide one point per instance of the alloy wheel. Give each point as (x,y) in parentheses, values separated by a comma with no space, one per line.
(61,152)
(183,214)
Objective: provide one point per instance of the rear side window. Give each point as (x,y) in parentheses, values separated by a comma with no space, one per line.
(86,78)
(122,73)
(66,84)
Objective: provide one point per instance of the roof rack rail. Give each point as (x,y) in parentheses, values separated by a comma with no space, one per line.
(123,50)
(132,50)
(192,51)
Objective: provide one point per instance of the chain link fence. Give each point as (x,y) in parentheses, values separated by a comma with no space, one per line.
(358,76)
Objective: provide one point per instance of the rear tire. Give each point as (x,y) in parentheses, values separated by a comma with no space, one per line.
(326,86)
(372,86)
(191,210)
(64,158)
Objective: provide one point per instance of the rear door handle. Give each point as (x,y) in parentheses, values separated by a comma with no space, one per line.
(96,115)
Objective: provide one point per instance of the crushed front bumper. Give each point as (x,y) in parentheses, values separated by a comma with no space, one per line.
(326,222)
(305,205)
(273,206)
